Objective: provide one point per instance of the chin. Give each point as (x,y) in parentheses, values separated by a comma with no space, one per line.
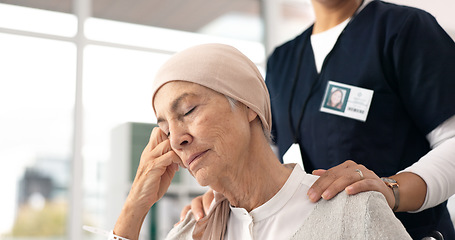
(203,181)
(203,178)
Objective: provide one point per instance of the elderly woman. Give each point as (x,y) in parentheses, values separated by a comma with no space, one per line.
(214,119)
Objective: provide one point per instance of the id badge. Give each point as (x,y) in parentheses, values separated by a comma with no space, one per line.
(347,101)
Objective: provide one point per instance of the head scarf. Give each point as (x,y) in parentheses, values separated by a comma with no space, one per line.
(223,69)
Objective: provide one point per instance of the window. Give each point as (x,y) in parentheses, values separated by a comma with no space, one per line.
(42,123)
(36,108)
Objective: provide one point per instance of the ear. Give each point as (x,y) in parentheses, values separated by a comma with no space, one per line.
(251,114)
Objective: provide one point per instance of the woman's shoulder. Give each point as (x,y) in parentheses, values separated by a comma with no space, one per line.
(183,230)
(361,216)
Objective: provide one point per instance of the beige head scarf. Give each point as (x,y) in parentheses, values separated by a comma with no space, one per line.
(223,69)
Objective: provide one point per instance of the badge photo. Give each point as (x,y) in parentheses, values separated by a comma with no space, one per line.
(336,98)
(347,101)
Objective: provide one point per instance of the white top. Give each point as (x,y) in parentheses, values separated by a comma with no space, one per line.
(355,217)
(437,167)
(281,216)
(323,42)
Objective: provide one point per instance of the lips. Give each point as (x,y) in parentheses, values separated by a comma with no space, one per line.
(194,157)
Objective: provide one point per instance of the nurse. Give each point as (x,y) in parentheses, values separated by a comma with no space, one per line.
(398,67)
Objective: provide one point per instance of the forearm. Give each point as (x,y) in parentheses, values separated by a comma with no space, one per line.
(129,223)
(437,169)
(412,191)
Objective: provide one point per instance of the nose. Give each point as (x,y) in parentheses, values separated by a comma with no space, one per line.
(179,136)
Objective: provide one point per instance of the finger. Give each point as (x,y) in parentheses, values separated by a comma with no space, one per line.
(164,148)
(320,185)
(156,137)
(162,166)
(328,177)
(183,213)
(169,159)
(362,186)
(151,157)
(175,167)
(339,185)
(158,145)
(349,176)
(154,177)
(368,185)
(160,150)
(166,171)
(372,185)
(319,172)
(207,200)
(197,208)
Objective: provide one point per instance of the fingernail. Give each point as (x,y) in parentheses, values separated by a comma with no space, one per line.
(314,197)
(310,192)
(199,216)
(325,195)
(348,189)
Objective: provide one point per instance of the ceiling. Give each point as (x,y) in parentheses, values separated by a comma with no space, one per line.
(186,15)
(192,15)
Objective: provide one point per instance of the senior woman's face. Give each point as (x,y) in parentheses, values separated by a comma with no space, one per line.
(209,136)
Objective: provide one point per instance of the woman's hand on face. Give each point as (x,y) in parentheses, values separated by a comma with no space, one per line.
(157,167)
(154,175)
(351,177)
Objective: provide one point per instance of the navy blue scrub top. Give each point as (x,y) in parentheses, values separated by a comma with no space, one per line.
(400,53)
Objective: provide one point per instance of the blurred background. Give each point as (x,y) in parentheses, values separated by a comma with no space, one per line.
(75,112)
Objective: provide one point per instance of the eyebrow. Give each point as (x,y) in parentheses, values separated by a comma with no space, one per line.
(176,103)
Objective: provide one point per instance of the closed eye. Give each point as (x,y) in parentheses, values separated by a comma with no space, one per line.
(190,111)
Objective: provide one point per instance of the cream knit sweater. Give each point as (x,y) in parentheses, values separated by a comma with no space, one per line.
(365,216)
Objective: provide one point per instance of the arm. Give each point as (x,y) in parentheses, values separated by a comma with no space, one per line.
(156,169)
(414,68)
(428,182)
(434,170)
(437,167)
